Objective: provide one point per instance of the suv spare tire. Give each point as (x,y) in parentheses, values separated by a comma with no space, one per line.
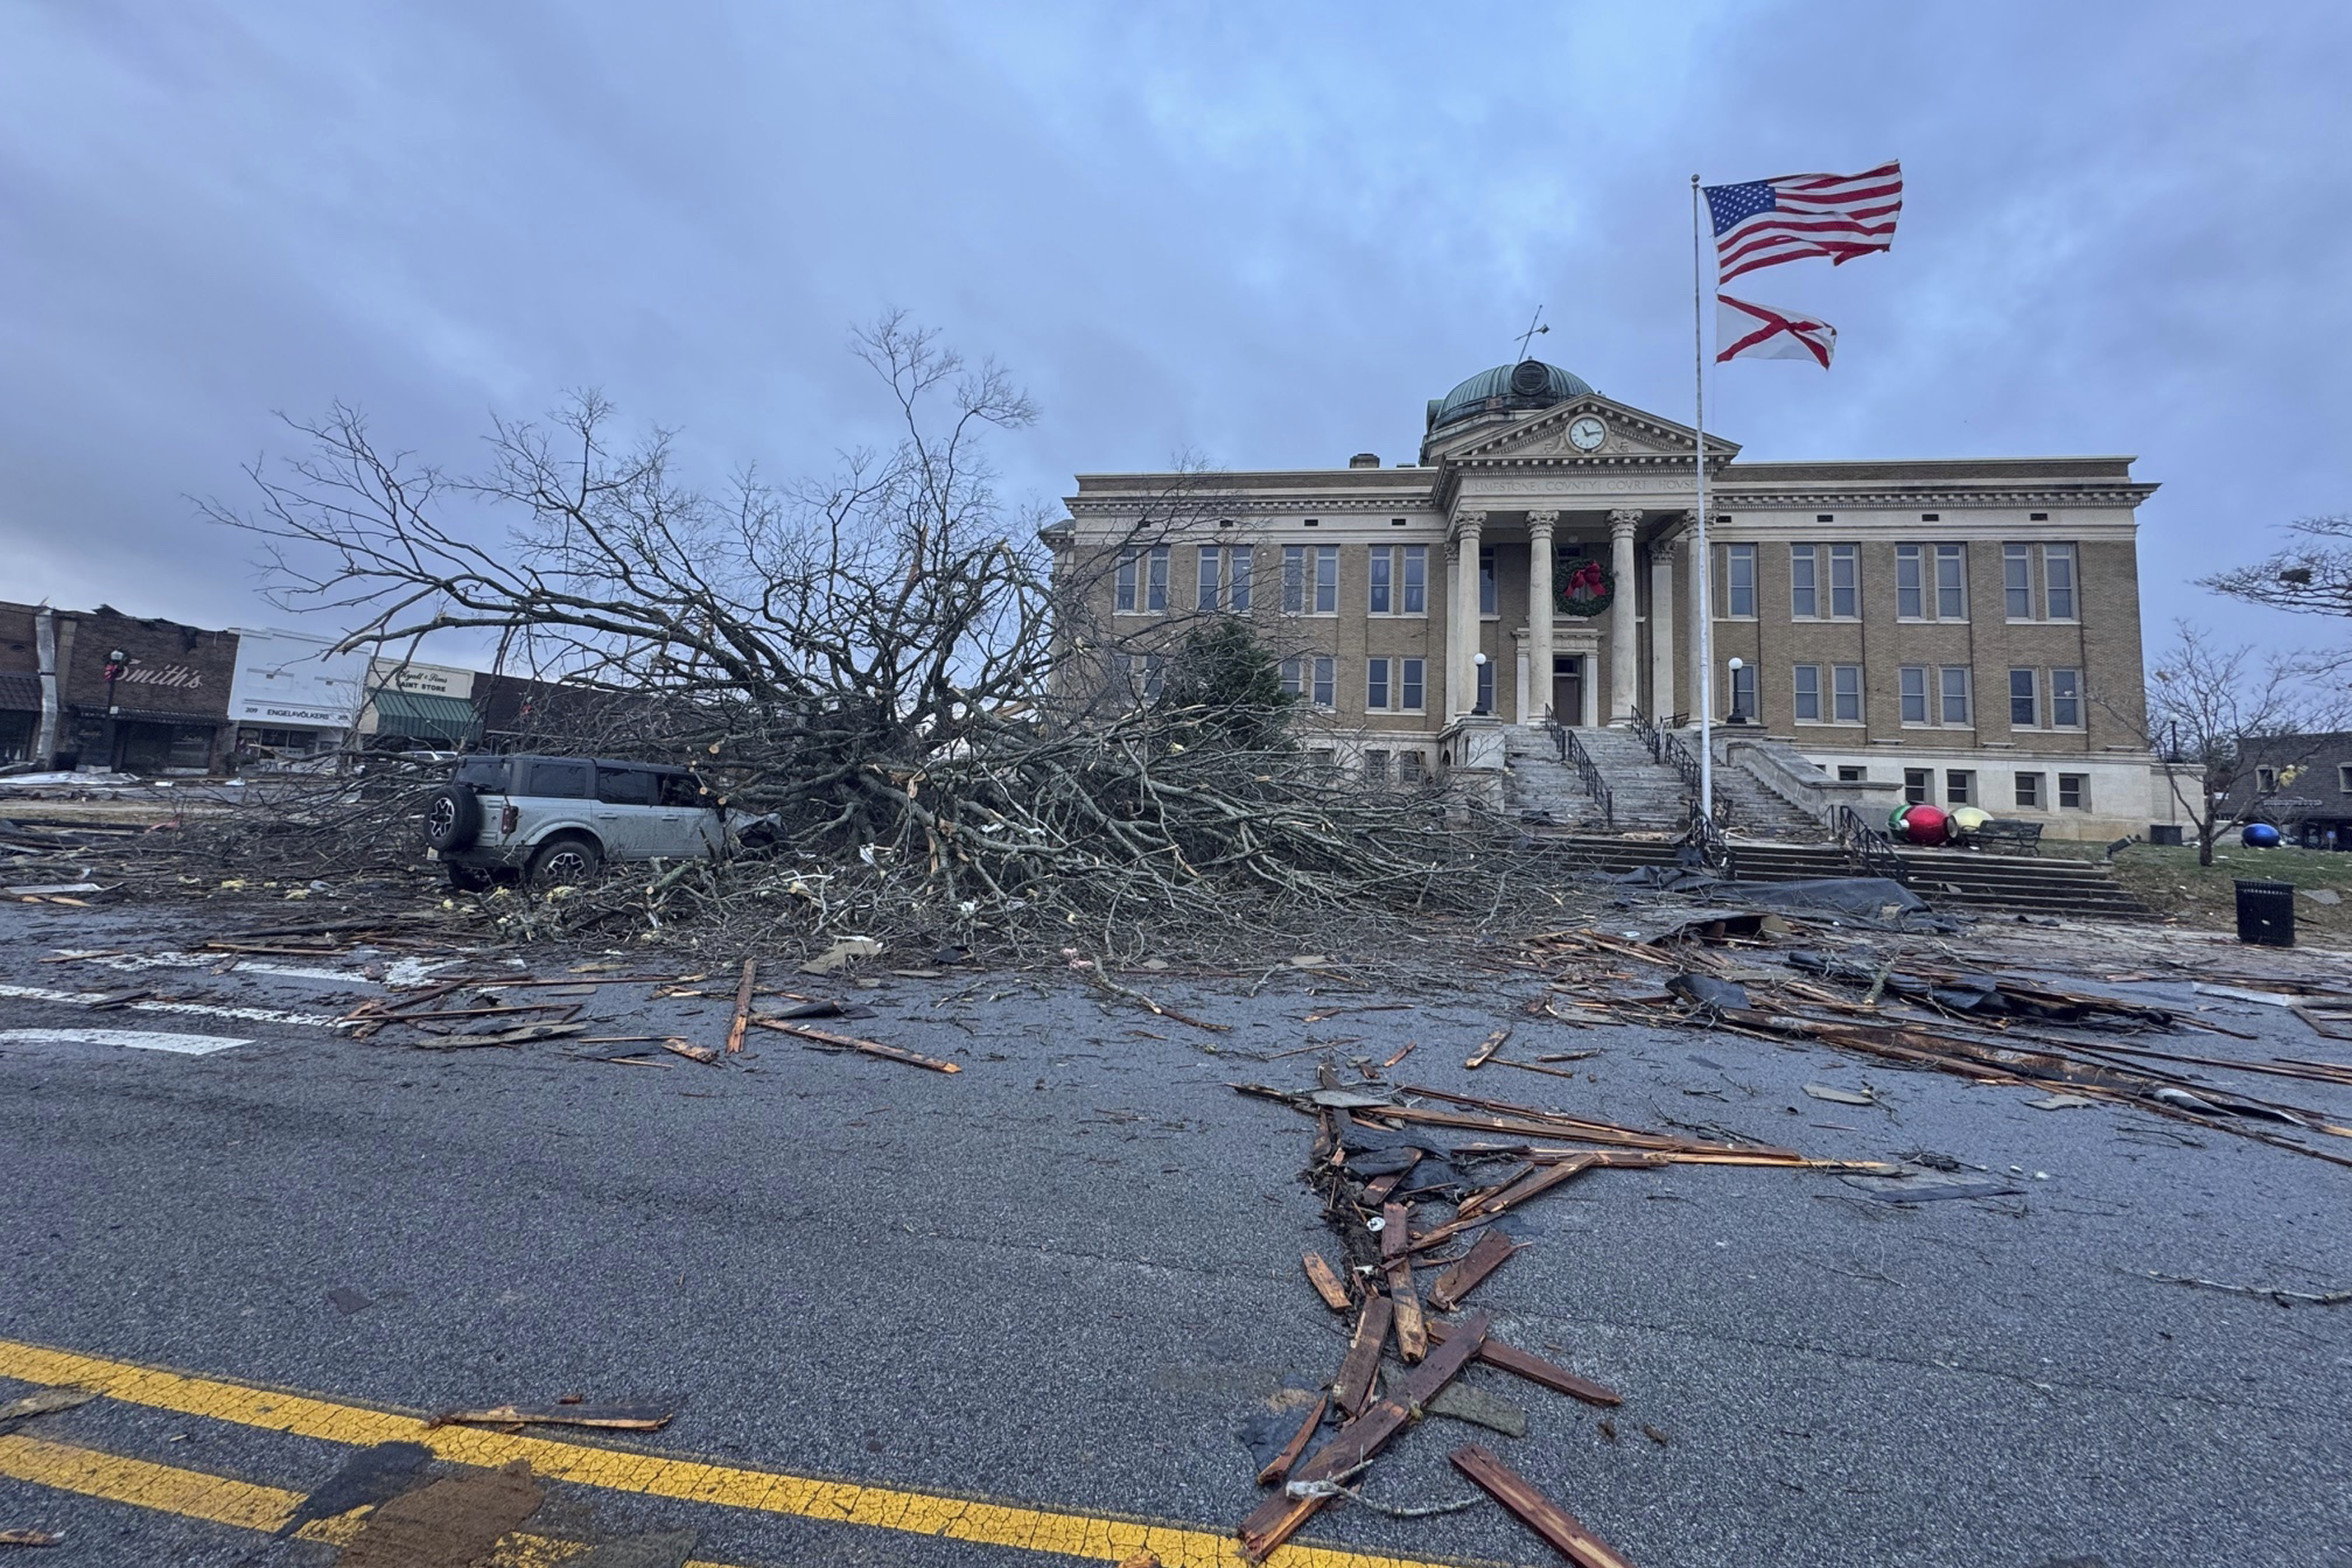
(453,817)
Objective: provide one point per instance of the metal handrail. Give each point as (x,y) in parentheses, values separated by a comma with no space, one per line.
(1713,848)
(1645,733)
(1871,850)
(1573,752)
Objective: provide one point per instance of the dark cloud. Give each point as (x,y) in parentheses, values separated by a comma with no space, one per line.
(1263,234)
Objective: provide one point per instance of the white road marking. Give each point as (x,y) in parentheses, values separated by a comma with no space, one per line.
(200,1009)
(134,1039)
(214,960)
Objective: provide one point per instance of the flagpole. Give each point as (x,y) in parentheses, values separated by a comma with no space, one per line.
(1701,561)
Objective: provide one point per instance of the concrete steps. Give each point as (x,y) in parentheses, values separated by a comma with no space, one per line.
(1645,794)
(2009,884)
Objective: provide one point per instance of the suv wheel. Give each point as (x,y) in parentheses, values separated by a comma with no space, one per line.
(565,859)
(452,818)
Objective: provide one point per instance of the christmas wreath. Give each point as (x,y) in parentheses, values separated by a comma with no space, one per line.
(1586,591)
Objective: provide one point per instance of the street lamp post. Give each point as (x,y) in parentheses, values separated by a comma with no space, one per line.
(1478,688)
(115,660)
(1739,709)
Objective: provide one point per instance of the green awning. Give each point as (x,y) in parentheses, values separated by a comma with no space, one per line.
(422,716)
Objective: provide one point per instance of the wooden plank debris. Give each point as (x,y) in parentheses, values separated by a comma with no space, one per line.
(1487,1048)
(1327,1281)
(851,1043)
(1396,1260)
(1353,1387)
(1534,1369)
(1487,1254)
(702,1054)
(1277,1519)
(1562,1530)
(742,1005)
(613,1417)
(1279,1466)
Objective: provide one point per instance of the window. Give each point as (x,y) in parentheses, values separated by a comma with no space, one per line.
(1237,587)
(1208,578)
(1916,782)
(1125,601)
(1848,773)
(1959,787)
(1952,682)
(1155,579)
(1139,679)
(1327,579)
(559,781)
(2029,790)
(1804,587)
(2017,581)
(2058,580)
(1487,580)
(1398,582)
(1294,579)
(1376,767)
(2073,792)
(2024,706)
(1409,767)
(1805,685)
(1739,580)
(1485,703)
(1314,677)
(624,786)
(1743,691)
(1376,683)
(2344,778)
(1952,583)
(1845,580)
(1294,677)
(1409,685)
(1845,695)
(2266,779)
(1915,693)
(2066,699)
(1908,604)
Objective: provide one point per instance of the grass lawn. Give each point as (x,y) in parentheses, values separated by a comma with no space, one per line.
(2171,882)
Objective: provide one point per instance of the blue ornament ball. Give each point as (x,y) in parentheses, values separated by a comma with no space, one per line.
(2259,836)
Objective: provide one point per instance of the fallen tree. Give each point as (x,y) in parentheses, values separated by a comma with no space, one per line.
(951,739)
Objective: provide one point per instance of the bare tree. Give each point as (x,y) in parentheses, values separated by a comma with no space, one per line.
(2313,577)
(2209,704)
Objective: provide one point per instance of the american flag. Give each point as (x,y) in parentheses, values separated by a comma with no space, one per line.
(1766,222)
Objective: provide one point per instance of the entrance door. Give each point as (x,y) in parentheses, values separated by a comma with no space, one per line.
(1568,689)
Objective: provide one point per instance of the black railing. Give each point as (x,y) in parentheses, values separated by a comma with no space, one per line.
(1871,850)
(1713,848)
(1572,753)
(1645,733)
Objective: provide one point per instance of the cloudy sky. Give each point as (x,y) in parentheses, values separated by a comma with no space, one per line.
(1261,234)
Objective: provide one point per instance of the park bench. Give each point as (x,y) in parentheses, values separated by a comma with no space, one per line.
(2008,837)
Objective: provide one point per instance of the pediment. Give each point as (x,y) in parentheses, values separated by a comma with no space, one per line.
(1629,435)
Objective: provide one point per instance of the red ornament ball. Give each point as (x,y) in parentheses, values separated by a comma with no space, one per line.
(1925,825)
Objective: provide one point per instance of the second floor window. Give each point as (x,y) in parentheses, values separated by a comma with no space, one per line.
(1845,695)
(1210,594)
(1804,586)
(1805,687)
(2024,699)
(1314,677)
(2058,581)
(1486,602)
(1739,580)
(1954,682)
(2017,581)
(1310,579)
(1393,685)
(1398,580)
(1952,583)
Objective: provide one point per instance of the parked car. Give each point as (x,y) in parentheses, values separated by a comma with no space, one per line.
(554,820)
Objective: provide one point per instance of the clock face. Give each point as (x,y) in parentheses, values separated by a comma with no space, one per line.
(1586,434)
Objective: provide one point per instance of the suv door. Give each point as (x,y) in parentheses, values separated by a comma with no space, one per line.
(627,820)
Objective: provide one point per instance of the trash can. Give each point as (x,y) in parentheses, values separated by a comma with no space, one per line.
(2165,833)
(2266,913)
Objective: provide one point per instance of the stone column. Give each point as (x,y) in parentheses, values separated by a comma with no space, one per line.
(1463,673)
(1445,684)
(1624,652)
(1539,619)
(1662,628)
(1694,657)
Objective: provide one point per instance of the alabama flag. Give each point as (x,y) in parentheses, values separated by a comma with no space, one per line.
(1743,330)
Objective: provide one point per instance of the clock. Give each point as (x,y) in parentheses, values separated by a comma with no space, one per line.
(1586,434)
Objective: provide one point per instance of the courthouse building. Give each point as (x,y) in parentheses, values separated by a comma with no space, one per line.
(1961,631)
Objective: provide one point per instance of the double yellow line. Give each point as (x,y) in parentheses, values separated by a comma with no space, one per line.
(196,1495)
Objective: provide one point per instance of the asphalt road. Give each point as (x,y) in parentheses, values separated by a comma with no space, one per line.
(1065,1279)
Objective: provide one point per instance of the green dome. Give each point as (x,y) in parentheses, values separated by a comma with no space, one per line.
(1507,388)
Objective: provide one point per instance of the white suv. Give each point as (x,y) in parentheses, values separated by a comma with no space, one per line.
(560,819)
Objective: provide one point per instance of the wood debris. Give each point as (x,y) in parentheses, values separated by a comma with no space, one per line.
(742,1007)
(613,1417)
(1327,1282)
(851,1043)
(1562,1530)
